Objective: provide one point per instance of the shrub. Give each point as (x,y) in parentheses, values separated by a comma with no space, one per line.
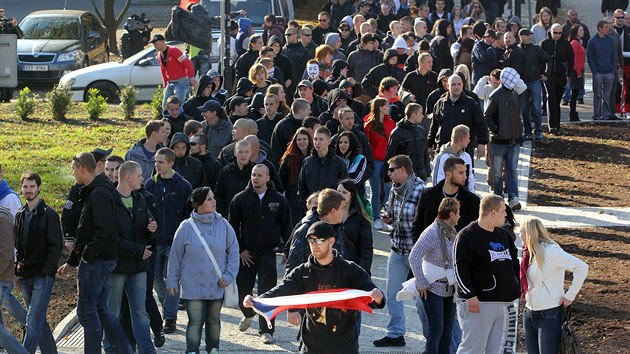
(96,104)
(59,101)
(26,103)
(156,103)
(128,95)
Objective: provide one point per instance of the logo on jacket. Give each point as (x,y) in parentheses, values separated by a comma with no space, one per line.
(68,205)
(498,252)
(274,206)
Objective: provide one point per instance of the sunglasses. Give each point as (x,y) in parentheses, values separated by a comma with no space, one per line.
(75,159)
(306,35)
(620,18)
(557,32)
(318,241)
(194,143)
(344,29)
(392,169)
(322,20)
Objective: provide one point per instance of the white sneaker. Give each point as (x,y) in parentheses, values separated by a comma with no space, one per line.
(378,224)
(267,338)
(514,204)
(244,324)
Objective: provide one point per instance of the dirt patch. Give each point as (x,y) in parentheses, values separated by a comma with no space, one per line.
(589,165)
(601,314)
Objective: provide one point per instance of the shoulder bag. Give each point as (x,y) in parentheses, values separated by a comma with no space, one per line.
(230,298)
(569,343)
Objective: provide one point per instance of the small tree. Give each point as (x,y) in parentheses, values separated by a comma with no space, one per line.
(156,102)
(59,101)
(26,103)
(96,104)
(128,95)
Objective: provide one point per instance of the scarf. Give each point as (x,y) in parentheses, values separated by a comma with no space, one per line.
(403,192)
(447,232)
(525,262)
(5,189)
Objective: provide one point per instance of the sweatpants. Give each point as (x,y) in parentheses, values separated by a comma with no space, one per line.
(492,330)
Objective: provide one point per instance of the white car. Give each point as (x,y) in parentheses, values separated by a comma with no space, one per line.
(141,70)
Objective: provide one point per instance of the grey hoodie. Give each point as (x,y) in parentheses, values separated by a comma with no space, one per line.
(137,154)
(218,135)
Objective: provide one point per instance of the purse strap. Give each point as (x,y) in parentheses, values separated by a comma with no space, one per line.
(205,246)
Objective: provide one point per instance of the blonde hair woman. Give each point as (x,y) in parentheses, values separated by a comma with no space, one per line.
(258,76)
(542,284)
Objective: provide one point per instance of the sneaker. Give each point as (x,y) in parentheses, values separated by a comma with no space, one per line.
(378,224)
(527,137)
(390,342)
(612,117)
(267,338)
(514,204)
(580,101)
(538,136)
(565,103)
(170,326)
(244,324)
(159,339)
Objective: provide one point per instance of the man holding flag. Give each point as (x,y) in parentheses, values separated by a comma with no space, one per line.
(325,280)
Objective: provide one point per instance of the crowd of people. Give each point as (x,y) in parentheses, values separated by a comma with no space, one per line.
(330,131)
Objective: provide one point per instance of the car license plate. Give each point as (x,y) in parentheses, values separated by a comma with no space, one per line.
(35,67)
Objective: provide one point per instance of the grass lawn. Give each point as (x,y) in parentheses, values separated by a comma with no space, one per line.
(46,147)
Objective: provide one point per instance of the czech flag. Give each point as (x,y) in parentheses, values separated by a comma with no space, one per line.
(184,3)
(347,299)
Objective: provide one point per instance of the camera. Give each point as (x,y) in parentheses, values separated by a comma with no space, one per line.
(6,25)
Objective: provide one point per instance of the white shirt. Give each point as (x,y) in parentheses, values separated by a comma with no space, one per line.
(11,202)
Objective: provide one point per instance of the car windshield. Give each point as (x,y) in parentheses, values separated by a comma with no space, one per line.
(256,9)
(50,28)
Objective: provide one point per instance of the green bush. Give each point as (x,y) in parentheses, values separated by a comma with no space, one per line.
(156,103)
(26,103)
(128,95)
(96,104)
(59,101)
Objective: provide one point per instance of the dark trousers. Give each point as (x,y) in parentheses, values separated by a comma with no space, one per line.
(555,89)
(441,315)
(265,267)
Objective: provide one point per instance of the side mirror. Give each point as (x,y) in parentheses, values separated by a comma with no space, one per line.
(145,62)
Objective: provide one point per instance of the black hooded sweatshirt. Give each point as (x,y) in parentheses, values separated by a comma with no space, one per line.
(189,167)
(327,118)
(373,78)
(190,107)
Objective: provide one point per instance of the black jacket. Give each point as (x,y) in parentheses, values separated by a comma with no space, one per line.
(318,173)
(189,167)
(327,119)
(428,204)
(177,124)
(244,62)
(448,114)
(281,137)
(359,240)
(71,212)
(133,236)
(190,107)
(231,181)
(537,58)
(484,60)
(503,117)
(486,265)
(266,127)
(561,53)
(298,56)
(339,332)
(97,231)
(38,253)
(409,139)
(514,58)
(211,168)
(227,153)
(260,224)
(420,85)
(373,78)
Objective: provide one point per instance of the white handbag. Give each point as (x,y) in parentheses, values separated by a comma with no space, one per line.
(230,298)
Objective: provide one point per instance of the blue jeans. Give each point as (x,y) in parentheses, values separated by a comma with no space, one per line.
(180,88)
(375,187)
(202,312)
(169,302)
(92,310)
(397,272)
(509,154)
(440,312)
(602,89)
(36,293)
(11,304)
(7,341)
(531,104)
(135,286)
(542,330)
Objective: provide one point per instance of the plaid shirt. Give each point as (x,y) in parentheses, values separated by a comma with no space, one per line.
(402,238)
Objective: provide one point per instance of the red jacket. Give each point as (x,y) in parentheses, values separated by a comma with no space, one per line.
(177,65)
(578,56)
(378,143)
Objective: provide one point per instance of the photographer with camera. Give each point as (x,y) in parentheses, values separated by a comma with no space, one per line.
(8,25)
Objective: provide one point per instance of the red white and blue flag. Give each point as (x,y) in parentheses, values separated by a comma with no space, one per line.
(346,299)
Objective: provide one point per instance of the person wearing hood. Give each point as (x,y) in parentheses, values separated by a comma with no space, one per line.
(256,107)
(434,96)
(234,176)
(8,198)
(189,167)
(297,55)
(352,91)
(271,27)
(238,108)
(346,36)
(245,30)
(409,138)
(280,61)
(334,41)
(337,99)
(248,59)
(514,25)
(206,88)
(503,117)
(244,89)
(364,58)
(339,72)
(211,166)
(320,170)
(423,81)
(440,44)
(219,93)
(375,75)
(175,115)
(216,126)
(191,271)
(261,219)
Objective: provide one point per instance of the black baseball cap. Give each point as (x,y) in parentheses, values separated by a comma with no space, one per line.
(321,229)
(157,37)
(100,154)
(524,32)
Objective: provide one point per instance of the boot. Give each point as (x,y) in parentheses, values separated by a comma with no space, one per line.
(574,117)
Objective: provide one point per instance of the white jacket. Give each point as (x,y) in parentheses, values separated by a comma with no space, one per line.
(546,284)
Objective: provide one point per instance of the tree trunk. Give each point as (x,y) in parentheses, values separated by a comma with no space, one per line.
(111,21)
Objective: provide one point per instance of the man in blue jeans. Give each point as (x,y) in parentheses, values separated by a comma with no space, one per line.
(95,254)
(172,192)
(603,63)
(38,242)
(7,341)
(136,228)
